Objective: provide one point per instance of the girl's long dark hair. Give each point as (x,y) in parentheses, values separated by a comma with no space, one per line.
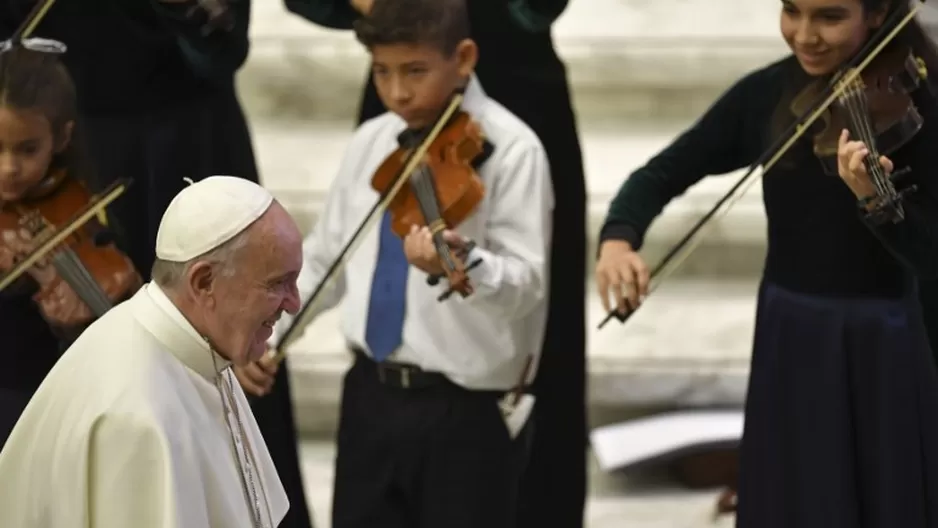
(913,36)
(38,81)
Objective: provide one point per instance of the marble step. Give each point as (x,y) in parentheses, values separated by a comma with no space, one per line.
(689,345)
(626,59)
(298,163)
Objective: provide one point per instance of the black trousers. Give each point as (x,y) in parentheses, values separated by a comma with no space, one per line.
(196,139)
(434,457)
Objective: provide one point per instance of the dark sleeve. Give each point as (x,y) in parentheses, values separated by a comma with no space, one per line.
(217,55)
(727,138)
(335,14)
(536,15)
(914,240)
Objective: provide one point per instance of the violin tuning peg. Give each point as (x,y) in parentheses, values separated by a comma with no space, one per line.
(899,175)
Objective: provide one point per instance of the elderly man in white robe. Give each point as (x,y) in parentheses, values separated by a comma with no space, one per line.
(141,423)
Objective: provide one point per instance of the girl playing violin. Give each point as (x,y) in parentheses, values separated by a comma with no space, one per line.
(37,146)
(841,418)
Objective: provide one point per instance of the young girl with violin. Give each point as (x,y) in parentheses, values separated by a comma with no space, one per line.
(40,182)
(431,431)
(841,418)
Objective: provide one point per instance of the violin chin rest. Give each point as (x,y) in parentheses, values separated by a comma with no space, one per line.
(104,237)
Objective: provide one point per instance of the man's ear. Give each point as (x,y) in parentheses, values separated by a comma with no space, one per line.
(65,137)
(200,280)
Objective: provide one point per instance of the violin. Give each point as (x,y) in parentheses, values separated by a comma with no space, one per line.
(80,277)
(444,190)
(877,108)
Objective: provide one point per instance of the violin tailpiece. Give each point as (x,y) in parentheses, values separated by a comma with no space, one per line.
(451,290)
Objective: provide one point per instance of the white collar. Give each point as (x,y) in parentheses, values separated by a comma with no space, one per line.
(157,313)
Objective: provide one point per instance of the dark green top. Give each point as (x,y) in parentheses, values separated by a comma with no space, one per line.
(818,241)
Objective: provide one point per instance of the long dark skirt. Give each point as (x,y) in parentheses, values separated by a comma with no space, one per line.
(197,139)
(841,416)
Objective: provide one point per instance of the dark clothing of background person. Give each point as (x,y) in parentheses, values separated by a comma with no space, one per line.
(157,103)
(519,68)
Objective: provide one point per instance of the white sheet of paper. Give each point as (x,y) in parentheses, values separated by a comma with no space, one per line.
(516,415)
(622,445)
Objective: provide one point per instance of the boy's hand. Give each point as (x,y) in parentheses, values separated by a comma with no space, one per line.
(421,253)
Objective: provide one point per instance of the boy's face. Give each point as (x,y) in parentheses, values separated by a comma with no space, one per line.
(416,81)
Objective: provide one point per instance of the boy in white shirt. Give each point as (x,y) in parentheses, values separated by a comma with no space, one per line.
(422,438)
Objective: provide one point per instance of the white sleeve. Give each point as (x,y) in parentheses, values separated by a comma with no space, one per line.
(512,278)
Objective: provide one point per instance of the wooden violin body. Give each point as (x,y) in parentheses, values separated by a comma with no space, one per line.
(878,105)
(444,190)
(458,188)
(82,277)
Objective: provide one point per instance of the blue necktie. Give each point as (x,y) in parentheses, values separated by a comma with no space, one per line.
(385,326)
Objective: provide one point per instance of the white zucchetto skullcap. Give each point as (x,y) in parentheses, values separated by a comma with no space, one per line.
(208,213)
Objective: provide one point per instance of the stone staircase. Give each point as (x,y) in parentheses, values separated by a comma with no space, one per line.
(639,74)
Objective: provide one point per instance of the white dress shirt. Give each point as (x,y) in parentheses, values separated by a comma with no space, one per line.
(481,341)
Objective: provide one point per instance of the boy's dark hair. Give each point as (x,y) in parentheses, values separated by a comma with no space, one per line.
(38,81)
(442,24)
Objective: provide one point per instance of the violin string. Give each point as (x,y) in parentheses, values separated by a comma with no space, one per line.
(878,171)
(857,104)
(858,110)
(77,276)
(95,296)
(425,191)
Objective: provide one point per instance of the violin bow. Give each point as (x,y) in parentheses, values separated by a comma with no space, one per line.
(415,158)
(35,16)
(680,251)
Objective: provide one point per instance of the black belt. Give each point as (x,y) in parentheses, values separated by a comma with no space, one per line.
(402,375)
(407,376)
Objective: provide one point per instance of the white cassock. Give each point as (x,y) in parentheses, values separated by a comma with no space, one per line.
(129,430)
